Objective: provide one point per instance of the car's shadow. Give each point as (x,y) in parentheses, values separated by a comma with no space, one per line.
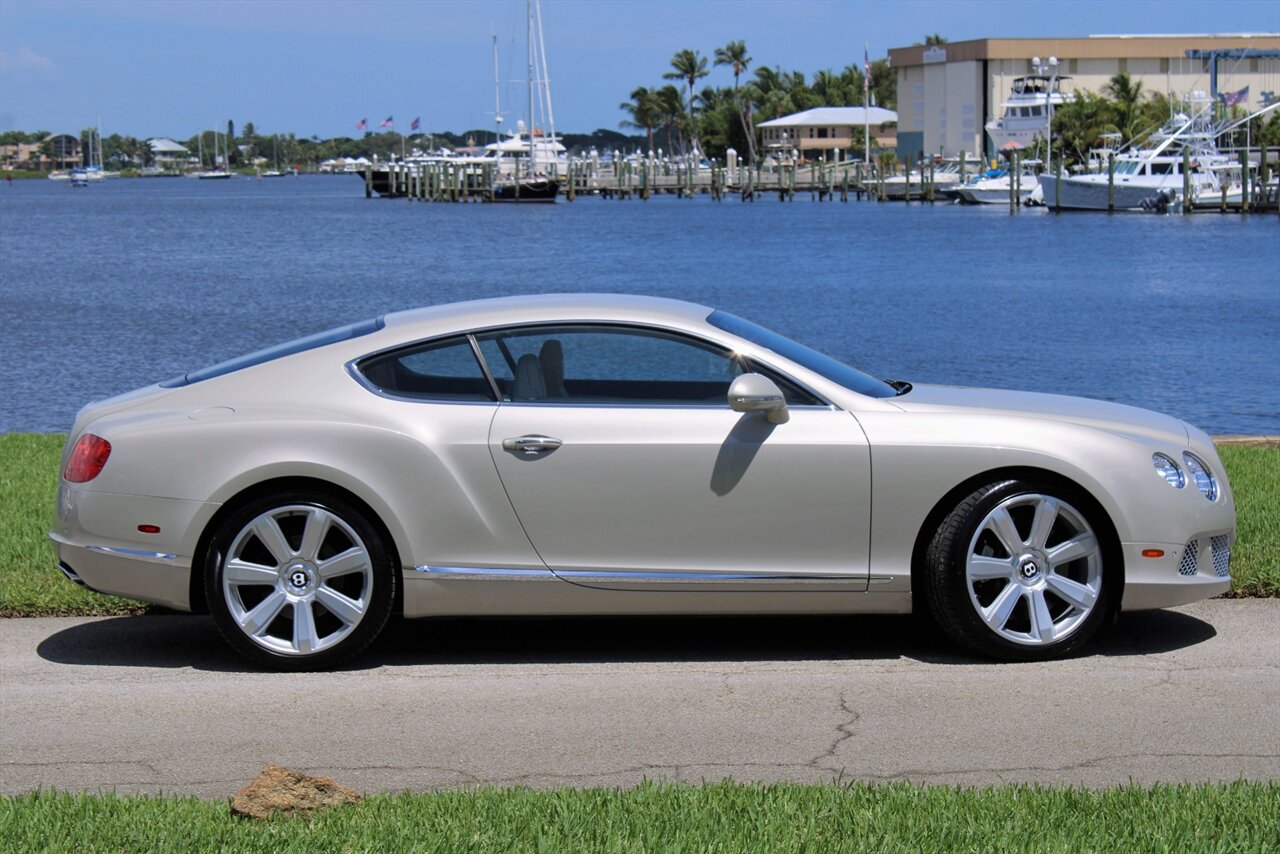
(185,641)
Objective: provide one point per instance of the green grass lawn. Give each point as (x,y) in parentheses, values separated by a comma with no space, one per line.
(1255,478)
(30,585)
(716,817)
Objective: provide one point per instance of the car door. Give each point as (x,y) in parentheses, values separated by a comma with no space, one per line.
(627,468)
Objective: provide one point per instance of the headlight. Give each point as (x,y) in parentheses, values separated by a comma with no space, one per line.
(1205,481)
(1169,470)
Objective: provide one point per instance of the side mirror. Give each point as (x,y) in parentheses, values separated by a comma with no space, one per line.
(758,393)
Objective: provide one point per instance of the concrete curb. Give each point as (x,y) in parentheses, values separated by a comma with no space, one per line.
(1262,441)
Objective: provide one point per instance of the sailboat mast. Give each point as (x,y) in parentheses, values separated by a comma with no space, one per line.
(544,82)
(529,3)
(497,95)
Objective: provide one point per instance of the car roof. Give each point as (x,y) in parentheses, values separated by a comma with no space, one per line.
(543,308)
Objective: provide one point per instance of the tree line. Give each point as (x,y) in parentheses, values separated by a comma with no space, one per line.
(248,145)
(679,118)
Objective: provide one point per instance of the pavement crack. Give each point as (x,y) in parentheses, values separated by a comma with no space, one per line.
(844,732)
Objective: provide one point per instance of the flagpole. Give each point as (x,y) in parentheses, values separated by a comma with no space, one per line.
(866,97)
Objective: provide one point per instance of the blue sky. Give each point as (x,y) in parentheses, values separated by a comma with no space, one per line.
(173,67)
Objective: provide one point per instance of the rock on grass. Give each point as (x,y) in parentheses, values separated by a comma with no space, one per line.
(279,790)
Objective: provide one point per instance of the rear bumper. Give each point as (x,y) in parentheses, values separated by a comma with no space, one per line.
(96,538)
(157,577)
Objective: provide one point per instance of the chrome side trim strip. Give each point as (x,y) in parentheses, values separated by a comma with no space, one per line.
(637,577)
(488,571)
(132,553)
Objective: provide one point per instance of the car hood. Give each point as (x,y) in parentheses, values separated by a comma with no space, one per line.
(1098,414)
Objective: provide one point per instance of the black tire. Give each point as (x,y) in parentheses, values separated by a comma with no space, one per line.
(1072,596)
(290,605)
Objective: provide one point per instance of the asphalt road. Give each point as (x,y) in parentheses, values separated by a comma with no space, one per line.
(150,704)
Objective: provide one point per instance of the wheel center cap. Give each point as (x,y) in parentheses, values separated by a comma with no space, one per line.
(1028,569)
(299,577)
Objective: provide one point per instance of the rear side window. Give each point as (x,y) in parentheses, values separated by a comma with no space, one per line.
(440,370)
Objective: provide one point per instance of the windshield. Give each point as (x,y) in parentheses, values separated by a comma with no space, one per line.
(819,363)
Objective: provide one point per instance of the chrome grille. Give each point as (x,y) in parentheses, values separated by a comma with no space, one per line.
(1190,559)
(1221,555)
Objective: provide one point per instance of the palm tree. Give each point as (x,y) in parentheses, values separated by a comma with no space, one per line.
(827,88)
(672,106)
(935,39)
(644,110)
(1080,123)
(1127,93)
(689,66)
(734,55)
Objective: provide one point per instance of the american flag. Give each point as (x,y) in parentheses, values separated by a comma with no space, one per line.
(385,123)
(1233,98)
(362,124)
(416,123)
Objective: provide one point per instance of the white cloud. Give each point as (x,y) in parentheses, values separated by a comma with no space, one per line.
(25,59)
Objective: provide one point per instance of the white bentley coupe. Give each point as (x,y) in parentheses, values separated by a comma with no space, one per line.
(588,454)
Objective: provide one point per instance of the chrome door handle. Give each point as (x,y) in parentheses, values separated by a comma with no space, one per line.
(531,445)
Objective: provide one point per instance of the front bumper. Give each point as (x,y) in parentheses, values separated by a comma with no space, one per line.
(1164,582)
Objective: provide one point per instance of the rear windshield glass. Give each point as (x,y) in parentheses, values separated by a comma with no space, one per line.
(310,342)
(819,363)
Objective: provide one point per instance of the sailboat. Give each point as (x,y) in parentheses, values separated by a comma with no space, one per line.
(274,171)
(530,153)
(217,172)
(94,171)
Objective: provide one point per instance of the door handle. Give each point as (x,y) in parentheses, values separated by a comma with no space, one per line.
(532,445)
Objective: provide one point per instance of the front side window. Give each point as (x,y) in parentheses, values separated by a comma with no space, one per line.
(438,370)
(599,364)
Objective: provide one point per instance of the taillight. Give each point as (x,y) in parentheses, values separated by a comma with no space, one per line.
(87,458)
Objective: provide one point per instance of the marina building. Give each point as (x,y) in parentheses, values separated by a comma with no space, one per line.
(948,93)
(168,154)
(828,133)
(55,151)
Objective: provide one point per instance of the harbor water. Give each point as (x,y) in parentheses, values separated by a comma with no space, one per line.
(128,282)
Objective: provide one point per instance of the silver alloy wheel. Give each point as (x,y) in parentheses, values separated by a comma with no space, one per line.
(297,580)
(1034,569)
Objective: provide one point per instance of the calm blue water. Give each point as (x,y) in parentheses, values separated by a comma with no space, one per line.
(132,281)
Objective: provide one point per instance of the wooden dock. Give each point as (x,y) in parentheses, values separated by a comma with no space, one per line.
(461,182)
(443,181)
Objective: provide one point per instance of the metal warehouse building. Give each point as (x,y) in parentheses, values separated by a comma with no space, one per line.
(947,93)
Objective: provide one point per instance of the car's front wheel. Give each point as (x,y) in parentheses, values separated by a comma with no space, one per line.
(299,581)
(1019,571)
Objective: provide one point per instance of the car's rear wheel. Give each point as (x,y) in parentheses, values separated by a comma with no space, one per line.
(299,581)
(1018,571)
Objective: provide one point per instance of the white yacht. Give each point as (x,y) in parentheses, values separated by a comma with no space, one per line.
(992,186)
(511,155)
(1184,158)
(1026,113)
(946,175)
